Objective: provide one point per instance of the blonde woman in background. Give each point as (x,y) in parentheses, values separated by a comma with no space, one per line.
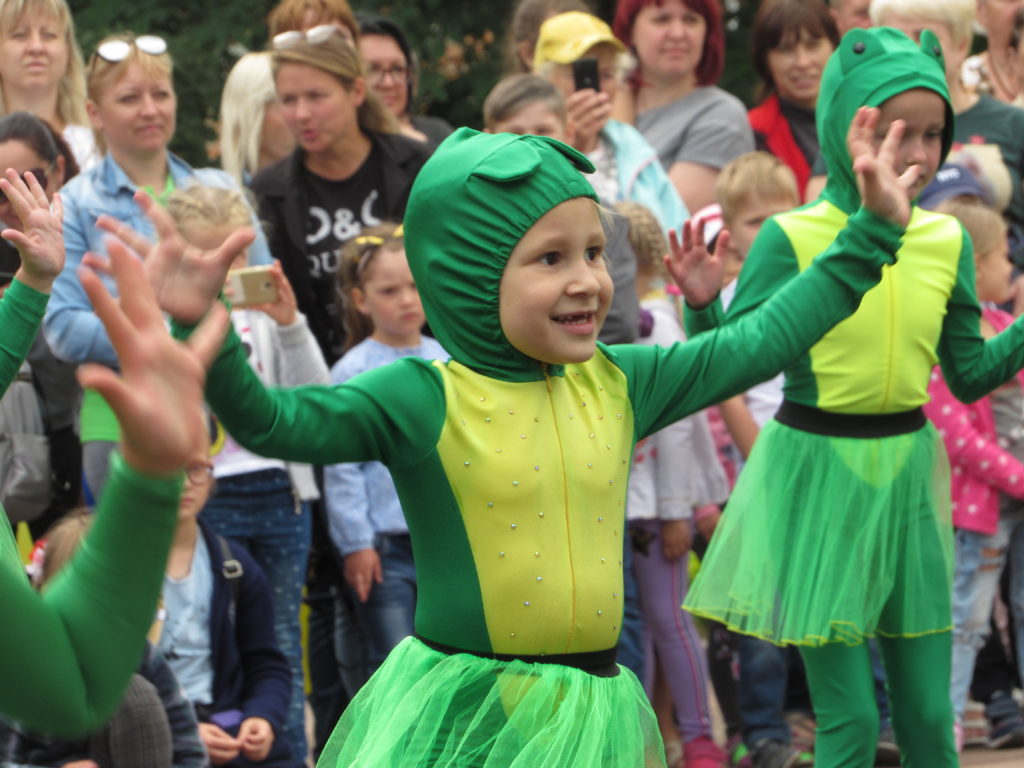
(253,133)
(41,71)
(132,107)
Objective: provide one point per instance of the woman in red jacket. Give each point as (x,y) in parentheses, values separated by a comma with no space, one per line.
(792,40)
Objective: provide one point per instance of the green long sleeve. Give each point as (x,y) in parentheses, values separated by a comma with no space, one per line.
(66,655)
(21,314)
(972,365)
(391,414)
(669,383)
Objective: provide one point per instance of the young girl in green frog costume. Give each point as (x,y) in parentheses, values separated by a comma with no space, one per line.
(511,459)
(839,528)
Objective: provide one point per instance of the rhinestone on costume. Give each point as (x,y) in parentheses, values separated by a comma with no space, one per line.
(583,405)
(497,450)
(490,503)
(589,465)
(602,560)
(526,603)
(540,578)
(482,399)
(513,526)
(611,482)
(501,554)
(600,612)
(511,413)
(522,437)
(536,554)
(465,463)
(515,483)
(615,595)
(618,416)
(536,468)
(540,514)
(600,519)
(591,435)
(512,635)
(487,420)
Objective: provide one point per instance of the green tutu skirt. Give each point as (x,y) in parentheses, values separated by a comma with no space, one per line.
(830,539)
(427,709)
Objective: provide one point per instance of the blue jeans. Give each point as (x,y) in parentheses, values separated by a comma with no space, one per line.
(366,632)
(632,641)
(980,560)
(259,510)
(387,615)
(764,673)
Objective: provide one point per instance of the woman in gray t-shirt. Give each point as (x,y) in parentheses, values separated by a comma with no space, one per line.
(695,126)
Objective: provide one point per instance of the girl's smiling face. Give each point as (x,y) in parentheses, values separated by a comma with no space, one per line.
(555,290)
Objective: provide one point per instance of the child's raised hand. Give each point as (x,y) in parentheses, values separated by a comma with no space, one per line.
(158,394)
(185,279)
(883,189)
(696,270)
(41,238)
(256,737)
(284,310)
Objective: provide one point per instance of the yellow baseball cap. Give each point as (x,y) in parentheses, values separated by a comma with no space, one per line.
(566,37)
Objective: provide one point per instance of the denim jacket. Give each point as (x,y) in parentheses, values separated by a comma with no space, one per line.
(73,330)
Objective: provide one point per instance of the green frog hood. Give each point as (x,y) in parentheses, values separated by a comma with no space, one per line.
(868,67)
(470,204)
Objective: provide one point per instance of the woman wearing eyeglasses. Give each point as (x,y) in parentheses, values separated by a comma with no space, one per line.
(351,170)
(41,70)
(391,73)
(132,109)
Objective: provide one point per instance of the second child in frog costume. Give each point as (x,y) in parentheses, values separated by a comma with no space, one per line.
(839,527)
(511,459)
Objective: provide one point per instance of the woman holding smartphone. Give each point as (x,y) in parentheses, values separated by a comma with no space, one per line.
(351,170)
(131,105)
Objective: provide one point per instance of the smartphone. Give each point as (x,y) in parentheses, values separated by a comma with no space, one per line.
(585,75)
(251,285)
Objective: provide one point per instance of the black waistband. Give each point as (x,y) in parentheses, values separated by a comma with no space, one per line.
(820,422)
(597,663)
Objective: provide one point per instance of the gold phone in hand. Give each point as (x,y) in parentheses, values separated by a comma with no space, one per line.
(251,285)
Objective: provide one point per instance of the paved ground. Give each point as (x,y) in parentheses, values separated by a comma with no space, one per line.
(1014,757)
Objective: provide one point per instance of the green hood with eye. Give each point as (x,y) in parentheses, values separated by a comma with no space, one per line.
(868,67)
(470,204)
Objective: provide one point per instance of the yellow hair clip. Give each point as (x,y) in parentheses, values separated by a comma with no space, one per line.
(399,231)
(369,240)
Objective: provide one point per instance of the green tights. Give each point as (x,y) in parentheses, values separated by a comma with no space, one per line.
(843,693)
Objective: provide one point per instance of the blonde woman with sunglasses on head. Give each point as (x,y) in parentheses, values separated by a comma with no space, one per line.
(41,70)
(131,105)
(350,170)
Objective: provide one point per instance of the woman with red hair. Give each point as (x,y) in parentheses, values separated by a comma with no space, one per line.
(696,127)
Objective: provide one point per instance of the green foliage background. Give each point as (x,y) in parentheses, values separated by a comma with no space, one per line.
(461,46)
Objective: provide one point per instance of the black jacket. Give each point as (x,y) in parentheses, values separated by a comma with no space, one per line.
(283,209)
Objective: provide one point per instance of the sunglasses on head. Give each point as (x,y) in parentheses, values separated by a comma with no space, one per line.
(118,50)
(39,173)
(314,35)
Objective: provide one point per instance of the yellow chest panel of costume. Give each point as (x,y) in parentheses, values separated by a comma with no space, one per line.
(879,359)
(539,472)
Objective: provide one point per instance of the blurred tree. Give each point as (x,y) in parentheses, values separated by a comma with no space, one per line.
(460,44)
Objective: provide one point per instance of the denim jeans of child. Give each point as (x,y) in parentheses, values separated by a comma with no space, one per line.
(980,559)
